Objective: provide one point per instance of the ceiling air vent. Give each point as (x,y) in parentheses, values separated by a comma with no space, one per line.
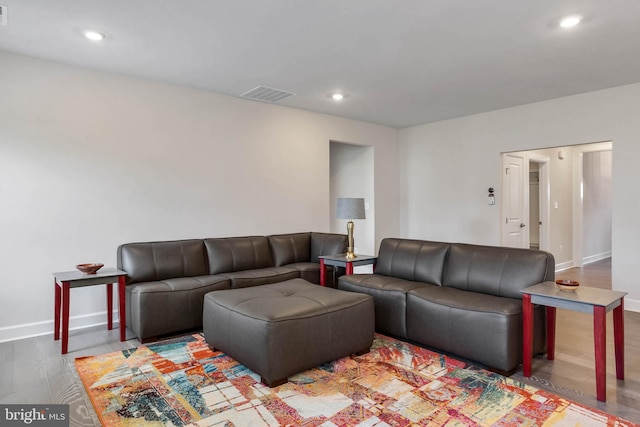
(266,94)
(3,14)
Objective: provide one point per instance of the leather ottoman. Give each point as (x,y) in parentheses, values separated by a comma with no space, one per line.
(280,329)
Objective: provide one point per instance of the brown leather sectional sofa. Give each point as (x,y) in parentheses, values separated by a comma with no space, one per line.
(458,298)
(167,280)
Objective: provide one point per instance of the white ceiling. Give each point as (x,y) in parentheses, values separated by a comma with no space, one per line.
(401,62)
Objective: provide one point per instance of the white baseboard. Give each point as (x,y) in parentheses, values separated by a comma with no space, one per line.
(564,266)
(631,304)
(28,330)
(597,257)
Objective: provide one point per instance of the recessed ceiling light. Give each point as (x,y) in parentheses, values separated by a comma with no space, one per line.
(93,35)
(337,96)
(570,21)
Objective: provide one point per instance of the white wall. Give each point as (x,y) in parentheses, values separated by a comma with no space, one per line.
(91,160)
(597,169)
(447,166)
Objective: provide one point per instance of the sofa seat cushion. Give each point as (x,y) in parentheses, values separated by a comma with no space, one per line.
(476,326)
(169,306)
(310,271)
(389,297)
(179,284)
(261,276)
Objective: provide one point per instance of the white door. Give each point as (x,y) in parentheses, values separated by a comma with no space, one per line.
(514,233)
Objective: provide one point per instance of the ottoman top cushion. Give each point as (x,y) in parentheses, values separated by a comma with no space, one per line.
(292,299)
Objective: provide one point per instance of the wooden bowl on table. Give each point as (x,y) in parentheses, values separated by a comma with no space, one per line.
(567,285)
(89,268)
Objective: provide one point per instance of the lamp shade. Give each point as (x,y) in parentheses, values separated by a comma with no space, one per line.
(350,208)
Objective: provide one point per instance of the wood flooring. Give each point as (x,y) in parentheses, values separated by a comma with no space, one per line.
(33,370)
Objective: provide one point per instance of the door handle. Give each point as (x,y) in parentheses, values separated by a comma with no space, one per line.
(522,225)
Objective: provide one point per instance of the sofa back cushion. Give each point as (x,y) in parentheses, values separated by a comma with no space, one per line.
(417,260)
(152,261)
(237,254)
(290,248)
(327,244)
(495,270)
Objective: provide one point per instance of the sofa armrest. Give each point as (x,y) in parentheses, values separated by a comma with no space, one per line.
(327,244)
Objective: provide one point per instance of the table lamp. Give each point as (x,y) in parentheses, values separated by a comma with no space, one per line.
(350,208)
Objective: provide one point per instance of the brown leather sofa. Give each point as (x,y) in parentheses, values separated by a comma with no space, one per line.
(167,280)
(458,298)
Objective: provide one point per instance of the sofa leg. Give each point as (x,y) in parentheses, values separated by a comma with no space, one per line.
(501,372)
(275,383)
(363,352)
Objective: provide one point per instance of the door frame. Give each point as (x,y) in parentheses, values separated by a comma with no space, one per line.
(545,198)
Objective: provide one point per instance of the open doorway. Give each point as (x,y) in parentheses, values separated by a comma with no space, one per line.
(351,175)
(574,201)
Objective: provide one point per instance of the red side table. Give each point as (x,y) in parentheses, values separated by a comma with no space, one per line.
(66,280)
(341,260)
(587,300)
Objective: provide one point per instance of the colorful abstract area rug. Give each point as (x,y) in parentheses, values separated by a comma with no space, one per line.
(183,383)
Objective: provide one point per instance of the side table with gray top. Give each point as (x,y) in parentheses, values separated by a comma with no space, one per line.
(584,299)
(66,280)
(341,260)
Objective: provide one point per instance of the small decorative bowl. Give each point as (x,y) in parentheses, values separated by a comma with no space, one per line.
(89,268)
(567,285)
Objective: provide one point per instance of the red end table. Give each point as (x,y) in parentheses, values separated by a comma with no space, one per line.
(341,260)
(66,280)
(587,300)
